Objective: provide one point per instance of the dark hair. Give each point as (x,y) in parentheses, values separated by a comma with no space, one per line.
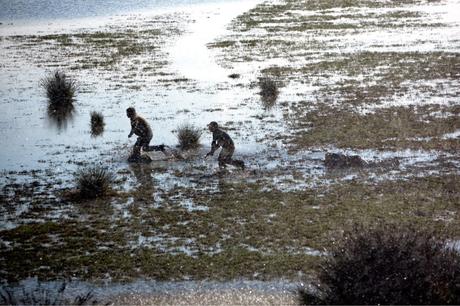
(130,110)
(213,124)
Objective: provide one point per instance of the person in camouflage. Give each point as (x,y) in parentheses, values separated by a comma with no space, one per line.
(141,128)
(221,139)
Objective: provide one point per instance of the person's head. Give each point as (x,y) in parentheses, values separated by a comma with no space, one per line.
(130,112)
(213,126)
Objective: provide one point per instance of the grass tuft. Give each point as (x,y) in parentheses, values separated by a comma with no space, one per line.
(268,92)
(39,294)
(234,76)
(97,124)
(188,136)
(60,89)
(93,182)
(388,264)
(268,87)
(61,114)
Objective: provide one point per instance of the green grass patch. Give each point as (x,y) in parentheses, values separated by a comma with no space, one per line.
(388,128)
(247,231)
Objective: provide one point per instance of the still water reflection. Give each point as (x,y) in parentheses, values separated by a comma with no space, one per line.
(57,9)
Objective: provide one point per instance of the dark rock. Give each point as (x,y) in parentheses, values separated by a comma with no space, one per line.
(234,76)
(341,161)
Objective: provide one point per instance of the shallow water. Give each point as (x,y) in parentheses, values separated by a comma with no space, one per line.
(27,10)
(144,292)
(34,141)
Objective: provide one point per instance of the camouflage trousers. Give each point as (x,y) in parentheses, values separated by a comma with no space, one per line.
(144,144)
(225,157)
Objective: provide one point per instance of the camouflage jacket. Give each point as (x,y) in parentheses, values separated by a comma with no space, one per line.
(140,127)
(221,139)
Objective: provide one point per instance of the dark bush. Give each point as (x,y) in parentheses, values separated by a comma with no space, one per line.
(188,137)
(388,265)
(268,91)
(93,182)
(60,89)
(60,115)
(97,124)
(268,87)
(38,294)
(234,76)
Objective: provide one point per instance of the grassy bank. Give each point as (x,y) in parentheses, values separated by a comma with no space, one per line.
(245,232)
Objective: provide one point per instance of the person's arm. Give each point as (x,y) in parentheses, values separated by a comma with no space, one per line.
(214,146)
(132,129)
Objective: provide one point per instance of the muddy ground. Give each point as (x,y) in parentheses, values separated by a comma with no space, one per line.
(377,79)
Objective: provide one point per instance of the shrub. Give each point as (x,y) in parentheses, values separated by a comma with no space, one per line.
(234,76)
(38,294)
(188,137)
(60,114)
(93,182)
(388,265)
(60,90)
(268,91)
(268,87)
(97,124)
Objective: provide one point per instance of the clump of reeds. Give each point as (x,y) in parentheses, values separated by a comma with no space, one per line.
(268,91)
(60,114)
(93,182)
(38,294)
(268,87)
(388,264)
(59,88)
(234,76)
(97,124)
(188,136)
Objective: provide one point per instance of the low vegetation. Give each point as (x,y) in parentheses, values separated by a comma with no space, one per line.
(60,115)
(188,136)
(93,182)
(245,232)
(60,89)
(97,124)
(414,127)
(390,265)
(39,294)
(268,91)
(268,88)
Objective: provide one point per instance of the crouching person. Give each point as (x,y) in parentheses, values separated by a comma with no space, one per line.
(221,139)
(141,128)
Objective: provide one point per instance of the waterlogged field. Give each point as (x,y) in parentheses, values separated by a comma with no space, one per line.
(377,79)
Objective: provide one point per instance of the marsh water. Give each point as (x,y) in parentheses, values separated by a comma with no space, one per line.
(32,140)
(180,83)
(34,10)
